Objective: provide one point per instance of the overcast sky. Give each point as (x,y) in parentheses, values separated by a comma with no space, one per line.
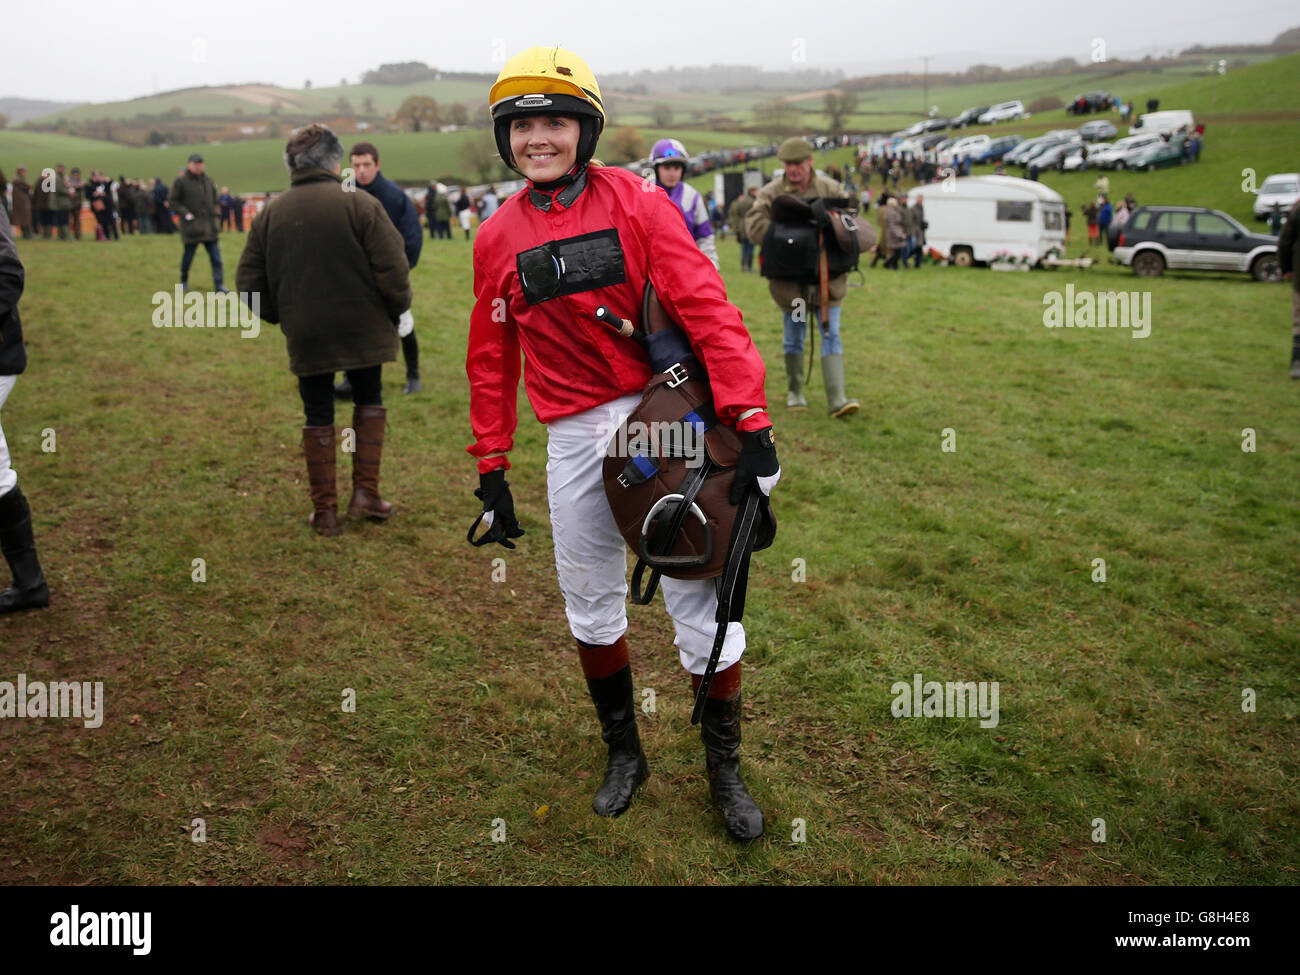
(79,51)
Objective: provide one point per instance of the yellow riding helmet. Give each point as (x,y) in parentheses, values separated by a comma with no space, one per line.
(545,71)
(547,81)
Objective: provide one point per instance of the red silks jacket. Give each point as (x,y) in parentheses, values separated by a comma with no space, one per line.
(572,361)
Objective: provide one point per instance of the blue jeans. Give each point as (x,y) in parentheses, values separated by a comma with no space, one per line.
(214,253)
(913,250)
(794,333)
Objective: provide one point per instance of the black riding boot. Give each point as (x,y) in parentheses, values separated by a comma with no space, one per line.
(720,732)
(627,767)
(29,590)
(411,353)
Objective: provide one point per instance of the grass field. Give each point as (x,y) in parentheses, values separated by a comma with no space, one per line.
(1119,700)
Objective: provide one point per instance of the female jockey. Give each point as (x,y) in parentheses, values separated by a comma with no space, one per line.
(578,236)
(669,160)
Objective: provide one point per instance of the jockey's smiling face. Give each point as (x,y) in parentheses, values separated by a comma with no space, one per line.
(545,147)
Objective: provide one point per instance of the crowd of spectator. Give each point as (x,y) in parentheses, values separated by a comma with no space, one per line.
(53,203)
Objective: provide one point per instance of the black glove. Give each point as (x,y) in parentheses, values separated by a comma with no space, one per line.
(494,492)
(757,466)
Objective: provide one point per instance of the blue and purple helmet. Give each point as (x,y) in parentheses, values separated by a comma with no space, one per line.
(668,150)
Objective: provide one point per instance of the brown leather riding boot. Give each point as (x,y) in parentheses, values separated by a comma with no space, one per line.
(368,424)
(318,448)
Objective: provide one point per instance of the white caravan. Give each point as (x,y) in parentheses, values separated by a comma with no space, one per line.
(978,218)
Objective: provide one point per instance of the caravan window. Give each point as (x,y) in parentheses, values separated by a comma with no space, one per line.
(1015,210)
(1052,219)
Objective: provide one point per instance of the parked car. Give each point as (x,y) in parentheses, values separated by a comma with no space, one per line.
(969,145)
(1097,129)
(1034,154)
(1282,189)
(1116,156)
(1014,156)
(977,217)
(1093,101)
(1156,156)
(969,117)
(1057,154)
(1003,112)
(932,140)
(1075,160)
(1192,238)
(997,149)
(938,124)
(1163,123)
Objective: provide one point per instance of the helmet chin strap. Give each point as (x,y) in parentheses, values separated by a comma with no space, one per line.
(568,178)
(564,190)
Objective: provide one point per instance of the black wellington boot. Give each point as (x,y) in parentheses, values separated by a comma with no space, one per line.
(29,590)
(627,767)
(720,732)
(411,353)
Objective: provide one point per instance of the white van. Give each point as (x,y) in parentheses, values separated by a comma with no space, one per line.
(1163,123)
(1003,112)
(978,217)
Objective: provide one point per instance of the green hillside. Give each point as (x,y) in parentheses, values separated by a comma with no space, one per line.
(952,99)
(1270,86)
(898,104)
(255,100)
(36,149)
(256,165)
